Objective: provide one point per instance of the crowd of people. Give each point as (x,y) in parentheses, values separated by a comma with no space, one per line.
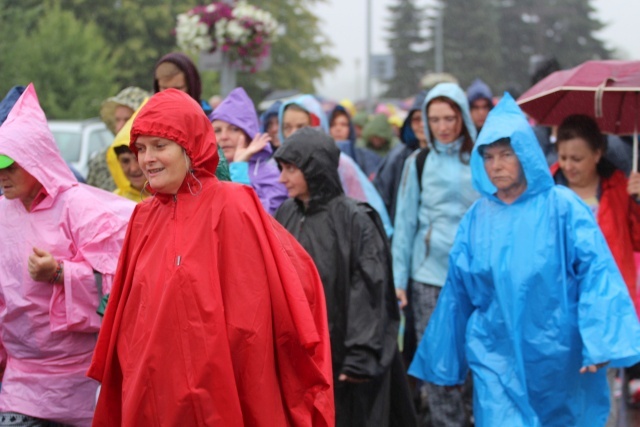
(314,266)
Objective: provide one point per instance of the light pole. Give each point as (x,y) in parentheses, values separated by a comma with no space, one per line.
(439,39)
(227,71)
(369,95)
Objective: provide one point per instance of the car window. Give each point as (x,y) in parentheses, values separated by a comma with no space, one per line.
(99,139)
(69,144)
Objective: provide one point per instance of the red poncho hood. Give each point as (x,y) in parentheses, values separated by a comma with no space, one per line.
(174,115)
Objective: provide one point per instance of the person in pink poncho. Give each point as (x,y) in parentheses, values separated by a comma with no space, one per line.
(60,245)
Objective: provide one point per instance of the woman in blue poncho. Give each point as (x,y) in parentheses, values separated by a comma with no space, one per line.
(533,304)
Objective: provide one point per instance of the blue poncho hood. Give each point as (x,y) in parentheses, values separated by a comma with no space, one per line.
(407,136)
(479,90)
(268,113)
(311,105)
(507,120)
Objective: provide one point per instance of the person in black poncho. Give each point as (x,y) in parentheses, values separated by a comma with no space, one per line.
(348,244)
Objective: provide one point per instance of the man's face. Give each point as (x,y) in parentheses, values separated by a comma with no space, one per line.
(294,120)
(122,115)
(479,111)
(178,81)
(503,167)
(131,169)
(293,179)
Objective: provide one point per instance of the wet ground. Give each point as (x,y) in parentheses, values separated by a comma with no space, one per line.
(629,416)
(629,411)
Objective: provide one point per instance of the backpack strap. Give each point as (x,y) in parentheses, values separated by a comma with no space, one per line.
(421,158)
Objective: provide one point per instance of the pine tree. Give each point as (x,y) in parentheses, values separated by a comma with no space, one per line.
(471,41)
(564,29)
(407,44)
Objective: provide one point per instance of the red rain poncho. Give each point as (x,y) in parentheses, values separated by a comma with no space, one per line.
(217,316)
(48,332)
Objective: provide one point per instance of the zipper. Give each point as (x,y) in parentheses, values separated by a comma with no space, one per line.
(178,258)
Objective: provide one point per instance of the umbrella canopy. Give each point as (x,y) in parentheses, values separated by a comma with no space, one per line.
(608,91)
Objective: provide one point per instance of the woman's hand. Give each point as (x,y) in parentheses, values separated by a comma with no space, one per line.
(592,368)
(42,266)
(244,152)
(633,186)
(401,295)
(346,378)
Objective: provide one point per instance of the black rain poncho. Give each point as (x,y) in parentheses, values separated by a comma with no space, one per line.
(347,242)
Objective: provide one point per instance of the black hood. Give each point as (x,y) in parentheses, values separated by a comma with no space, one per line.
(317,156)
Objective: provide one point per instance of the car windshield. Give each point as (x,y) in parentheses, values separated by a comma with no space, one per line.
(69,144)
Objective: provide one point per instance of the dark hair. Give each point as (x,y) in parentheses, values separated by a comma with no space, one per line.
(544,67)
(122,149)
(585,128)
(502,142)
(296,107)
(191,74)
(336,113)
(467,142)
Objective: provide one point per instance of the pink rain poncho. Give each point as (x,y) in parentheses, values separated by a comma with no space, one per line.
(48,332)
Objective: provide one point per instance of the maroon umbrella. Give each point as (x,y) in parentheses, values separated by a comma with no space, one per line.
(608,91)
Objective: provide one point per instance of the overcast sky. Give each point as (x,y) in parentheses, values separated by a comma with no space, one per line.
(344,21)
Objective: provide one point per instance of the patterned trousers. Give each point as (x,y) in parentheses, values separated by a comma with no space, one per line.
(448,407)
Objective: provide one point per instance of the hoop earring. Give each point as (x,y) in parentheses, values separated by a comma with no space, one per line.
(189,184)
(144,190)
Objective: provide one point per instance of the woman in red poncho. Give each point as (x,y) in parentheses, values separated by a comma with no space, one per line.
(217,316)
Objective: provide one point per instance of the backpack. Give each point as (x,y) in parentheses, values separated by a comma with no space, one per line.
(421,158)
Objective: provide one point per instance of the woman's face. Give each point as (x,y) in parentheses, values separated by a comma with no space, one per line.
(229,138)
(578,161)
(340,128)
(17,183)
(445,123)
(163,162)
(293,120)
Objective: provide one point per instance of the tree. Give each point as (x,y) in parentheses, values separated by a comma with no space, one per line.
(472,41)
(69,63)
(407,44)
(564,29)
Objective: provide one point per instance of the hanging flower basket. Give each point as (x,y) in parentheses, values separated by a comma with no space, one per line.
(243,31)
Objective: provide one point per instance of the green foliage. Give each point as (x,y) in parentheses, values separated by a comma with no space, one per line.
(119,41)
(408,47)
(472,41)
(138,31)
(550,28)
(498,41)
(69,63)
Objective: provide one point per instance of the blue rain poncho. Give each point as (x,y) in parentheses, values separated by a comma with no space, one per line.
(532,295)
